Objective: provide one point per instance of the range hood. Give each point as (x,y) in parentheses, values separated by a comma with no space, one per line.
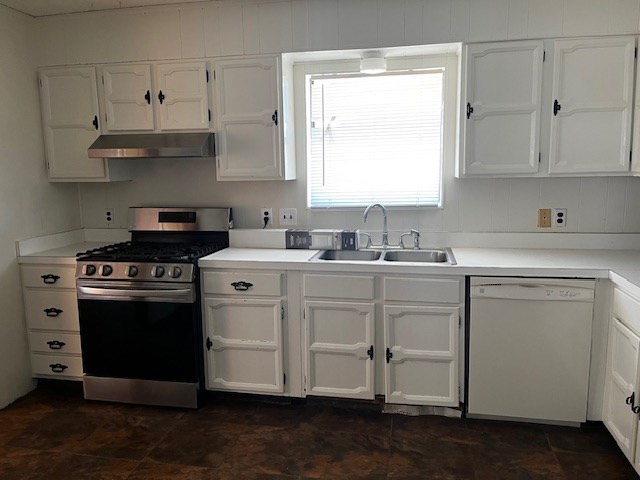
(153,145)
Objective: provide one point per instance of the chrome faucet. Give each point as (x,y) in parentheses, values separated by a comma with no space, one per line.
(416,239)
(385,230)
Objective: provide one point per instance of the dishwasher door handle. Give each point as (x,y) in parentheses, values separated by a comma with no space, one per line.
(532,292)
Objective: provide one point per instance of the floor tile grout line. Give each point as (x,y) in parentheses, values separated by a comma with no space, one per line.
(162,437)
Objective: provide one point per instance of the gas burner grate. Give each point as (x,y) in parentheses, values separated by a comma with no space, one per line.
(151,252)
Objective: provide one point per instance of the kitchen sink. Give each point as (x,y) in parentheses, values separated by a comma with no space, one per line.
(420,256)
(349,255)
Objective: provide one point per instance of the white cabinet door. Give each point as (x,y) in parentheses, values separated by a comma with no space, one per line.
(635,161)
(339,349)
(70,120)
(501,113)
(592,105)
(181,96)
(243,341)
(620,385)
(421,355)
(127,97)
(248,127)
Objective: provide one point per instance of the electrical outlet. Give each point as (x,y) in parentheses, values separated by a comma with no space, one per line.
(288,216)
(266,216)
(544,218)
(559,217)
(109,216)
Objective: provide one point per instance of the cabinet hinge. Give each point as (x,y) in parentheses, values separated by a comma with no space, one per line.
(282,313)
(539,157)
(214,74)
(304,314)
(285,378)
(207,75)
(635,54)
(209,114)
(209,343)
(544,55)
(103,79)
(630,156)
(459,321)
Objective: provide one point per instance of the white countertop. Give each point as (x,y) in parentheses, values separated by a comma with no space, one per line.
(65,255)
(621,266)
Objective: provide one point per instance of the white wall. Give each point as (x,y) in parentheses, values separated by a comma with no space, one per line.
(237,28)
(29,205)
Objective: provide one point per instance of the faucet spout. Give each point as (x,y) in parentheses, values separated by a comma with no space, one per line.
(385,230)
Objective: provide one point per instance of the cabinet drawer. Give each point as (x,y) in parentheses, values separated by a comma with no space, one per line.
(52,310)
(49,276)
(56,365)
(55,343)
(339,286)
(431,290)
(249,283)
(627,309)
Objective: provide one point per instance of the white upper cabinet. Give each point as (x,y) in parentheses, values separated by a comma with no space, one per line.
(592,103)
(71,124)
(635,162)
(249,120)
(181,96)
(500,116)
(176,100)
(127,97)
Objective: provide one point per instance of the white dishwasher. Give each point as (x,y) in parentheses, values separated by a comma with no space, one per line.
(529,349)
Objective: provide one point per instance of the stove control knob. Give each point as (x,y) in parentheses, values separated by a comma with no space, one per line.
(175,272)
(89,270)
(106,270)
(132,271)
(157,272)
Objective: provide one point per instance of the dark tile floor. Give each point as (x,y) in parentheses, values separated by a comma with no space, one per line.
(53,433)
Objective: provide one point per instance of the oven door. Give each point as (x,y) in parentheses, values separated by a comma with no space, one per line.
(146,331)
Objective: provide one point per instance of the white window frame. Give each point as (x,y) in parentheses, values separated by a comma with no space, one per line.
(448,61)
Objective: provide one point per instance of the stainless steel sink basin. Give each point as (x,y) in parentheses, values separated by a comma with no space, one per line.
(349,255)
(420,256)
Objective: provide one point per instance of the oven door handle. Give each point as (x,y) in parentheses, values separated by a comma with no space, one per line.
(100,293)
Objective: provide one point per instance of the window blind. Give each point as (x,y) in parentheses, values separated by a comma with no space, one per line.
(375,139)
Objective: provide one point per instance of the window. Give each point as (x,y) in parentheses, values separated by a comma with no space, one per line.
(375,138)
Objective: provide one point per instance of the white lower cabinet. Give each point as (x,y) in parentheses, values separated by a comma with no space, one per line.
(340,349)
(621,383)
(421,355)
(244,344)
(346,335)
(51,307)
(244,329)
(416,347)
(421,337)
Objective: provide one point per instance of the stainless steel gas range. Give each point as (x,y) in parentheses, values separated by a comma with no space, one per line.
(139,305)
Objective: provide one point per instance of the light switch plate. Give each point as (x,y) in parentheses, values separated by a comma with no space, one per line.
(288,216)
